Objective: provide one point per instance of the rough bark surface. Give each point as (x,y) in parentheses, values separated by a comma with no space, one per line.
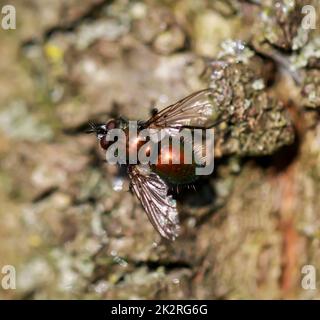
(246,231)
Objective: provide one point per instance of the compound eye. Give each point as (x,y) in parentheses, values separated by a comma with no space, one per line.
(104,143)
(111,125)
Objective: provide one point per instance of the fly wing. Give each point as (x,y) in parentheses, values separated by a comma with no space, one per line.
(196,110)
(152,192)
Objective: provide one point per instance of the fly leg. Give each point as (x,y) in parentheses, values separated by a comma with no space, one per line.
(154,112)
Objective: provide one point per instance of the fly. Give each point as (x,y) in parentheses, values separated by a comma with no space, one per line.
(151,182)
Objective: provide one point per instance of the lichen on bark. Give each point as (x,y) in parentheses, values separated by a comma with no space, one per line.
(246,231)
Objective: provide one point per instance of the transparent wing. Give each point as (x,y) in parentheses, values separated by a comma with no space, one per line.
(152,192)
(196,110)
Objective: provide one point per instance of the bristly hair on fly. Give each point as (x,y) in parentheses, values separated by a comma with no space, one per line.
(93,127)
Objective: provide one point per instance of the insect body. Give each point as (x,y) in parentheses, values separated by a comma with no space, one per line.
(150,181)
